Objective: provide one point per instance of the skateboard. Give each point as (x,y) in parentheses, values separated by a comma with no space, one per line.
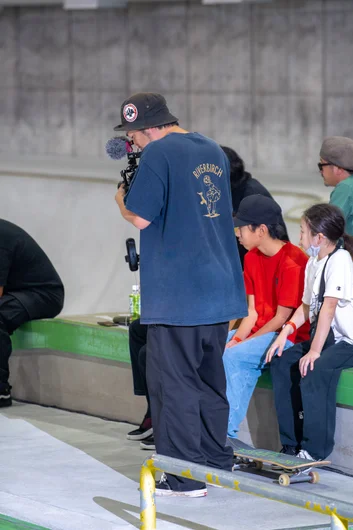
(289,469)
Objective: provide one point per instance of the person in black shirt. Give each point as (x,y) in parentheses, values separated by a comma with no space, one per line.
(30,288)
(243,184)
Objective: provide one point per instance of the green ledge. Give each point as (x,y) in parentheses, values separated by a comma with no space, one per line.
(113,344)
(344,390)
(8,523)
(74,337)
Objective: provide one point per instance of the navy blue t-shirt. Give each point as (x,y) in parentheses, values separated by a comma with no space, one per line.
(190,268)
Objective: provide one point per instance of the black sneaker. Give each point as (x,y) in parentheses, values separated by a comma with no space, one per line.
(163,489)
(144,431)
(289,450)
(5,395)
(148,443)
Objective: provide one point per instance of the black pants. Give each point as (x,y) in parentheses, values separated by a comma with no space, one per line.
(315,394)
(137,347)
(187,387)
(12,315)
(46,304)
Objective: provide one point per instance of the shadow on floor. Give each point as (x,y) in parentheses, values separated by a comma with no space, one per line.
(121,509)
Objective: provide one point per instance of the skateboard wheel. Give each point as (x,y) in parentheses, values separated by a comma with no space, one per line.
(315,477)
(259,465)
(284,480)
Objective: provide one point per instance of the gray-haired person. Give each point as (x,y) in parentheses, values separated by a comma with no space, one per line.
(336,168)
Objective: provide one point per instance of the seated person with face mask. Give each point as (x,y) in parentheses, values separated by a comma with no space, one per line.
(305,376)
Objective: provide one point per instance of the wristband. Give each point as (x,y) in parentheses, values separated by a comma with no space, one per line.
(236,339)
(290,323)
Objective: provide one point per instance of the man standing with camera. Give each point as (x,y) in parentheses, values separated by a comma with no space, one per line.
(191,284)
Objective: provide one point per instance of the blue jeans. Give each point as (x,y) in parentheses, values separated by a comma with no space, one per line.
(243,364)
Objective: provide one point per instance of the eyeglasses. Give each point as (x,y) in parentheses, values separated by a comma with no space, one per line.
(320,165)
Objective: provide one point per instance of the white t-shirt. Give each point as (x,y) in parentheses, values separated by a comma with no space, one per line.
(338,284)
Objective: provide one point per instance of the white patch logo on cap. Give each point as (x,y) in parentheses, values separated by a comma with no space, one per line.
(130,112)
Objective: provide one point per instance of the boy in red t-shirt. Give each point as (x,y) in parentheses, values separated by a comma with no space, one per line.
(274,281)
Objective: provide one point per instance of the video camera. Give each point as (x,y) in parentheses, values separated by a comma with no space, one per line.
(119,147)
(128,174)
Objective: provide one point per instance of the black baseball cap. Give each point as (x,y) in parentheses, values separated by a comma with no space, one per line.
(258,210)
(144,110)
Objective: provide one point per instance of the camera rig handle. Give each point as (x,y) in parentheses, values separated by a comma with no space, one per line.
(132,258)
(128,174)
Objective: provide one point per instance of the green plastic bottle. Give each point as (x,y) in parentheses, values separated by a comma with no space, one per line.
(135,303)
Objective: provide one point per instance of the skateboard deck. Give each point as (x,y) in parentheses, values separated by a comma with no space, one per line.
(289,468)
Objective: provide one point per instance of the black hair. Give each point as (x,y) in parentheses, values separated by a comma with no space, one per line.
(174,123)
(238,175)
(275,231)
(328,220)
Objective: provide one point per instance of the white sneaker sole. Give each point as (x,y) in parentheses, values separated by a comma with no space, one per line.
(191,494)
(139,437)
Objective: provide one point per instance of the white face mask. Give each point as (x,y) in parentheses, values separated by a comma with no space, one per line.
(312,251)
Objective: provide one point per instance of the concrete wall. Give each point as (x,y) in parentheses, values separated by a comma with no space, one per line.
(269,79)
(77,222)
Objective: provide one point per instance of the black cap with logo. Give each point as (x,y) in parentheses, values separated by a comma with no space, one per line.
(258,210)
(144,110)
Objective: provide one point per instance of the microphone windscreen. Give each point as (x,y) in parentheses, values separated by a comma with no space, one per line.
(116,148)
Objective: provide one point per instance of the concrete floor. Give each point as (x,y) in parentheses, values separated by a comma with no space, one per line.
(67,471)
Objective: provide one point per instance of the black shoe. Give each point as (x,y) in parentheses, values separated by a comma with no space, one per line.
(163,489)
(144,431)
(148,443)
(289,450)
(5,395)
